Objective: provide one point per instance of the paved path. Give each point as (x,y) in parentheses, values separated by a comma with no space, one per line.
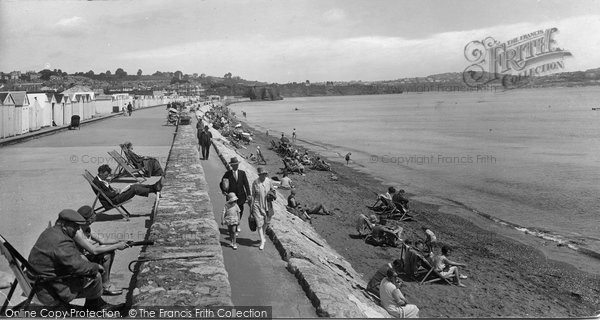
(257,278)
(40,177)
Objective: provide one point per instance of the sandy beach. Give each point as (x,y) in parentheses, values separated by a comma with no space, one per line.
(506,278)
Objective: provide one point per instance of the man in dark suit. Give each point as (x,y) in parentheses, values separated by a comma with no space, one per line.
(55,254)
(118,196)
(237,182)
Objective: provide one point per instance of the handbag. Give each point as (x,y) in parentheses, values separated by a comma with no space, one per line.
(252,222)
(271,195)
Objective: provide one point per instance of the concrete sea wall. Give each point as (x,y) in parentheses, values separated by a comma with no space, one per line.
(185,265)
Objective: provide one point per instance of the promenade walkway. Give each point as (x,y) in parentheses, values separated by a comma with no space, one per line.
(42,176)
(257,278)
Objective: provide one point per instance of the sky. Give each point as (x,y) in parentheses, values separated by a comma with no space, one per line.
(282,40)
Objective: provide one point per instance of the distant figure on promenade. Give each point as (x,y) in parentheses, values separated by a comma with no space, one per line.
(294,135)
(117,195)
(392,299)
(97,250)
(267,133)
(205,138)
(262,207)
(151,165)
(244,113)
(129,109)
(56,254)
(231,218)
(236,181)
(348,158)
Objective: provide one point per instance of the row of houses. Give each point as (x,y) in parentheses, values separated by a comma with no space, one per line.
(22,112)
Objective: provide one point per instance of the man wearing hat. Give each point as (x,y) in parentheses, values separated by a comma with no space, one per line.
(55,254)
(98,250)
(238,184)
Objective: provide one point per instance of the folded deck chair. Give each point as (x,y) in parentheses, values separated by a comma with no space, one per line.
(27,281)
(106,203)
(124,168)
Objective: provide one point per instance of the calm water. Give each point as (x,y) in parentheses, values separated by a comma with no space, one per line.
(529,157)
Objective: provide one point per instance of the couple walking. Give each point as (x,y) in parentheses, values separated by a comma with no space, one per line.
(236,187)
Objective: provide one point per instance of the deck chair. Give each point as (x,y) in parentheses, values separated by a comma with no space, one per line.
(432,274)
(106,203)
(28,282)
(124,168)
(125,152)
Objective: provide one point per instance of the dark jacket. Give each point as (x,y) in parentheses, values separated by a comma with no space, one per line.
(56,254)
(204,137)
(108,191)
(240,187)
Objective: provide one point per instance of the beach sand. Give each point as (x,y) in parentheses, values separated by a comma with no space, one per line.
(505,278)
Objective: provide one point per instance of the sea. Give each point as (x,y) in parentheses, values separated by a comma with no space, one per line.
(525,158)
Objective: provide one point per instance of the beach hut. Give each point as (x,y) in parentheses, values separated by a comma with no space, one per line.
(103,104)
(7,115)
(35,109)
(56,109)
(67,108)
(21,111)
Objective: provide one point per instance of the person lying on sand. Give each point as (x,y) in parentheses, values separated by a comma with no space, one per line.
(303,212)
(446,267)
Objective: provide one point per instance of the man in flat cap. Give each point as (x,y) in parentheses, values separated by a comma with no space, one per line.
(55,254)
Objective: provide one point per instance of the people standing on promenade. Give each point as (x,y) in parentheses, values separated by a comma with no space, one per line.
(231,218)
(129,108)
(237,182)
(97,250)
(261,206)
(392,299)
(117,195)
(55,254)
(205,138)
(348,158)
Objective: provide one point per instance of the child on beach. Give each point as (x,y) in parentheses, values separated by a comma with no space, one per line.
(230,217)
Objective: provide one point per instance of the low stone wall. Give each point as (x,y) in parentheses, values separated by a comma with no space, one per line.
(330,282)
(185,266)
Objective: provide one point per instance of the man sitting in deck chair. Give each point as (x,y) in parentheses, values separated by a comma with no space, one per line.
(151,166)
(381,273)
(448,268)
(400,201)
(119,196)
(98,250)
(384,200)
(55,254)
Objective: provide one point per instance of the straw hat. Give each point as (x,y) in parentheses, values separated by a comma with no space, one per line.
(231,197)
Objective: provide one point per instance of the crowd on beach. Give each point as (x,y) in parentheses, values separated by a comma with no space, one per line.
(421,259)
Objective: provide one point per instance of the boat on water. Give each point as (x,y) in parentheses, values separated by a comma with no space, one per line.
(596,109)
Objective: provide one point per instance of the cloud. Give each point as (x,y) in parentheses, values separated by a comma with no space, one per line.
(334,15)
(70,22)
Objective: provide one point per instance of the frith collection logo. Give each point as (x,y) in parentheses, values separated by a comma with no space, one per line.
(514,62)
